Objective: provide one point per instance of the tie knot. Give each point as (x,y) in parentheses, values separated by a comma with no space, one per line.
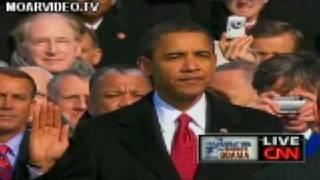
(4,149)
(184,120)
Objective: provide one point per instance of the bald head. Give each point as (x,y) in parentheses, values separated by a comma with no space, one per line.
(41,78)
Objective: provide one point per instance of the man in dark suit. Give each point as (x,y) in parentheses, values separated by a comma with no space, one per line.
(308,170)
(144,141)
(16,98)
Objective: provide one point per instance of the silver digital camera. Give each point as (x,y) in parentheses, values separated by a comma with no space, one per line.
(236,27)
(290,104)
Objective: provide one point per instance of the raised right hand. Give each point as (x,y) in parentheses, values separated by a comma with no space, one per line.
(49,137)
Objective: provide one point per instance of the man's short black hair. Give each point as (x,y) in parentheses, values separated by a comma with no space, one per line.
(151,39)
(268,29)
(16,73)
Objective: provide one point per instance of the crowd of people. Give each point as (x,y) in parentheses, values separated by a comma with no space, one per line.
(125,92)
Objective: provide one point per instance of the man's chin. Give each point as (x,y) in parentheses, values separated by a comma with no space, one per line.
(56,69)
(6,128)
(191,95)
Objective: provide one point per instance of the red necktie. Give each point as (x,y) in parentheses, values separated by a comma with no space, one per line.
(5,166)
(184,149)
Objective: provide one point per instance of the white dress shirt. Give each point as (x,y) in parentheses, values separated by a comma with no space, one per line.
(167,116)
(220,57)
(307,134)
(94,26)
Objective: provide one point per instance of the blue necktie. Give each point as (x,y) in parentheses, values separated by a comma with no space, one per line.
(313,144)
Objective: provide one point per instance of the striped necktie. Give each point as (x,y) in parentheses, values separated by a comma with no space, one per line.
(6,168)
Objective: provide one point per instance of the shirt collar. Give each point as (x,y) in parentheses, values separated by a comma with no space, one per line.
(168,114)
(95,25)
(251,23)
(307,134)
(14,144)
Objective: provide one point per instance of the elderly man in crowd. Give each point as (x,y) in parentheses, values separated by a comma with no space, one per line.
(70,91)
(233,81)
(114,87)
(48,40)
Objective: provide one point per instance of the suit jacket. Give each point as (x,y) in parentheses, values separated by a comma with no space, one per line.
(128,144)
(300,171)
(20,171)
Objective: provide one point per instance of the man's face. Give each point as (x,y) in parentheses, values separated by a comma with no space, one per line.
(89,52)
(118,90)
(15,103)
(233,84)
(182,65)
(270,46)
(247,8)
(51,43)
(74,93)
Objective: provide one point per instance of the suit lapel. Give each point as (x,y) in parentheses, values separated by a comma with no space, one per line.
(221,117)
(20,171)
(144,140)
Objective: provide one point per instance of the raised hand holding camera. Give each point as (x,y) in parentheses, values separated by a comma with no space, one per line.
(235,44)
(236,27)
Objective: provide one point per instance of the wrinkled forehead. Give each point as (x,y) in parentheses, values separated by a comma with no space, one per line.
(15,85)
(50,23)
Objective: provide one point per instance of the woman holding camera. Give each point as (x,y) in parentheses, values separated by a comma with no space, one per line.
(237,47)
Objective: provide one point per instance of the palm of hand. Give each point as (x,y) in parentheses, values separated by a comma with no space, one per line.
(46,145)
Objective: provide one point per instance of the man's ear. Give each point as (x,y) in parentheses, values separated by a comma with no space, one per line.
(92,107)
(32,109)
(145,64)
(78,49)
(97,56)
